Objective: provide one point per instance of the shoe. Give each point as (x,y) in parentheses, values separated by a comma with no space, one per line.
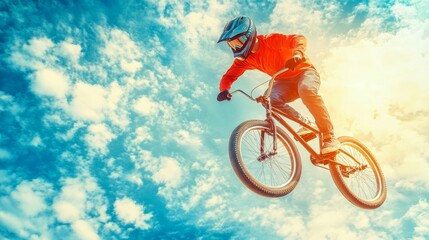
(303,130)
(306,133)
(330,145)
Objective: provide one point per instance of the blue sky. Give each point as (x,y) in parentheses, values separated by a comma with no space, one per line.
(111,128)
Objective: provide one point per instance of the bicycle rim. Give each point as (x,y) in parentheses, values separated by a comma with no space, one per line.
(362,181)
(268,175)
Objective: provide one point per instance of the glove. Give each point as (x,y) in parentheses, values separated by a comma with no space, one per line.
(294,61)
(224,95)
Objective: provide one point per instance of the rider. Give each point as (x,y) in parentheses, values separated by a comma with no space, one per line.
(269,54)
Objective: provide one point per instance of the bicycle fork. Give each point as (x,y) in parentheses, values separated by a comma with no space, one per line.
(273,131)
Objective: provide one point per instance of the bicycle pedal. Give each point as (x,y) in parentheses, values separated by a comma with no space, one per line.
(317,161)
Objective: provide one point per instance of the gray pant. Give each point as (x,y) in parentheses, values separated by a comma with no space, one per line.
(304,86)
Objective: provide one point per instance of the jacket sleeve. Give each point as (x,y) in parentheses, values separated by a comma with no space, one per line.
(298,43)
(237,69)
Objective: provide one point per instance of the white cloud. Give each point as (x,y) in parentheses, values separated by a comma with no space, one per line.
(145,106)
(31,199)
(120,44)
(36,141)
(88,102)
(214,201)
(67,212)
(50,82)
(84,230)
(38,46)
(211,13)
(325,222)
(143,134)
(167,18)
(132,66)
(23,210)
(121,50)
(71,51)
(93,102)
(5,100)
(319,189)
(190,136)
(70,132)
(287,17)
(81,206)
(194,29)
(70,204)
(102,211)
(361,221)
(168,172)
(158,47)
(116,105)
(13,223)
(5,154)
(209,181)
(186,138)
(165,170)
(130,212)
(322,219)
(419,214)
(135,178)
(98,137)
(286,223)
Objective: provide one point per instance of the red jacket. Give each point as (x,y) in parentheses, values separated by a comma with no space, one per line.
(274,50)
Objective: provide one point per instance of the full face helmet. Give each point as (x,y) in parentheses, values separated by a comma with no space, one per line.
(240,34)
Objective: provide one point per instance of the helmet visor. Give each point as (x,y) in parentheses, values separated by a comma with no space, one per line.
(238,43)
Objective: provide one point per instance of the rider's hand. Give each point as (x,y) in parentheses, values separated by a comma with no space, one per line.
(294,61)
(224,95)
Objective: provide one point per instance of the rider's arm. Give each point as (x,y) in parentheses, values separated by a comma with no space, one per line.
(292,43)
(237,69)
(298,43)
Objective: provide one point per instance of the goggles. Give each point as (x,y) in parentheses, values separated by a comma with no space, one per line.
(237,43)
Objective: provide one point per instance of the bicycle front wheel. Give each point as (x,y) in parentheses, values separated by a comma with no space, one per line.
(261,169)
(358,175)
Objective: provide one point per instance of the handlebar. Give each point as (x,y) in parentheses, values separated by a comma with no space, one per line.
(270,86)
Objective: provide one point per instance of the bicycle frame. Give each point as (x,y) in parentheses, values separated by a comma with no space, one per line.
(277,115)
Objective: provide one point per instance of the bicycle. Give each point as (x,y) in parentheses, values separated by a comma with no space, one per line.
(267,161)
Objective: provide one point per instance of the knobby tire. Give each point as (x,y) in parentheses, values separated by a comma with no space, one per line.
(288,154)
(364,188)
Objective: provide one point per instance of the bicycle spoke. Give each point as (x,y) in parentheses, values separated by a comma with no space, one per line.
(270,170)
(283,173)
(363,183)
(280,167)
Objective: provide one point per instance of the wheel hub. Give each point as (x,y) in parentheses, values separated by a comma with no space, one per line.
(265,156)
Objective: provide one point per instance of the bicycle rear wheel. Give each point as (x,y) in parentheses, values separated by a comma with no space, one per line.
(252,158)
(358,176)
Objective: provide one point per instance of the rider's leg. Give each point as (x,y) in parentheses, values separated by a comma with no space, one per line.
(285,91)
(308,87)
